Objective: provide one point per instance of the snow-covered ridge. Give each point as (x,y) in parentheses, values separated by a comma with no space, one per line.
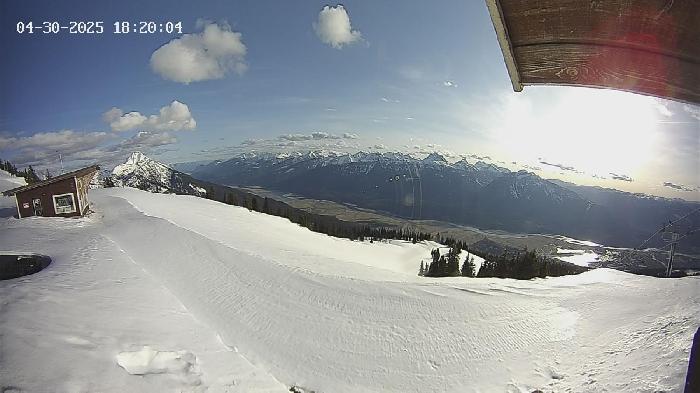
(323,158)
(138,161)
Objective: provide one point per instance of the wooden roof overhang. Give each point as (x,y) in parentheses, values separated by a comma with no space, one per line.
(649,47)
(76,173)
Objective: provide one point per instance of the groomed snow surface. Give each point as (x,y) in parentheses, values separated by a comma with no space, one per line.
(174,293)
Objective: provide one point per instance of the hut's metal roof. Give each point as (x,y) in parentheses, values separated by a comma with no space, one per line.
(76,173)
(644,46)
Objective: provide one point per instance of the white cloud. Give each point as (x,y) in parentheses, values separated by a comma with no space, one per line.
(621,177)
(46,146)
(6,142)
(195,57)
(173,117)
(317,135)
(125,121)
(145,140)
(66,140)
(679,187)
(333,27)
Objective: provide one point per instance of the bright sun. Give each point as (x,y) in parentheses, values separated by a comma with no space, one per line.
(593,130)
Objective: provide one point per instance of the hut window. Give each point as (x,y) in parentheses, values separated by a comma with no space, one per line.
(64,203)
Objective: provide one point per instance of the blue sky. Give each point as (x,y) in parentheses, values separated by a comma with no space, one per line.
(409,76)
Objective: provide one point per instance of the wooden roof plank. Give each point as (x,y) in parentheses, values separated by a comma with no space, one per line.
(78,172)
(502,35)
(656,25)
(645,46)
(618,68)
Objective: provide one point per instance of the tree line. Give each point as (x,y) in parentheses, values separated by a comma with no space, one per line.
(523,265)
(526,265)
(29,174)
(447,265)
(519,264)
(326,224)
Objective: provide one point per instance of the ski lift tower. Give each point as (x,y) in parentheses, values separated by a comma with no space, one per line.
(670,236)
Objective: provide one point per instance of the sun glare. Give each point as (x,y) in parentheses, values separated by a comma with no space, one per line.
(593,130)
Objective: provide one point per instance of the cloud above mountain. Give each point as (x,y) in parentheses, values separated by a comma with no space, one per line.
(47,146)
(318,135)
(333,27)
(560,166)
(209,54)
(173,117)
(145,140)
(44,149)
(679,187)
(621,177)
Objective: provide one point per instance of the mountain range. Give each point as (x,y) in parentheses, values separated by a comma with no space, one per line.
(478,194)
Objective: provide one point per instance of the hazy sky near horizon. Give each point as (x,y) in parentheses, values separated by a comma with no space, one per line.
(406,76)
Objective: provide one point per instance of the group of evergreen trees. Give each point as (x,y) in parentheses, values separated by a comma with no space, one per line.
(326,224)
(29,174)
(447,265)
(522,266)
(526,265)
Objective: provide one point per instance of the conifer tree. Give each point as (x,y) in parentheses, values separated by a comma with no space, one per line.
(108,182)
(442,267)
(452,267)
(434,269)
(468,267)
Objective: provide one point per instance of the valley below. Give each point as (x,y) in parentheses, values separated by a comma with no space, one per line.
(582,252)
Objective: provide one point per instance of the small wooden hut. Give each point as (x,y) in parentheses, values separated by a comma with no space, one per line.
(61,196)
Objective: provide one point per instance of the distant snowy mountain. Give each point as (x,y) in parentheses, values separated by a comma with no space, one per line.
(480,193)
(147,174)
(189,167)
(408,186)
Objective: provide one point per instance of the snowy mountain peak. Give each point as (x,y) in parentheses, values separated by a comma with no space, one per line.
(138,160)
(435,157)
(145,173)
(137,157)
(480,165)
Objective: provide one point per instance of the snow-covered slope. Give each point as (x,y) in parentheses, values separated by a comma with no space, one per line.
(8,205)
(147,174)
(8,181)
(95,321)
(326,314)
